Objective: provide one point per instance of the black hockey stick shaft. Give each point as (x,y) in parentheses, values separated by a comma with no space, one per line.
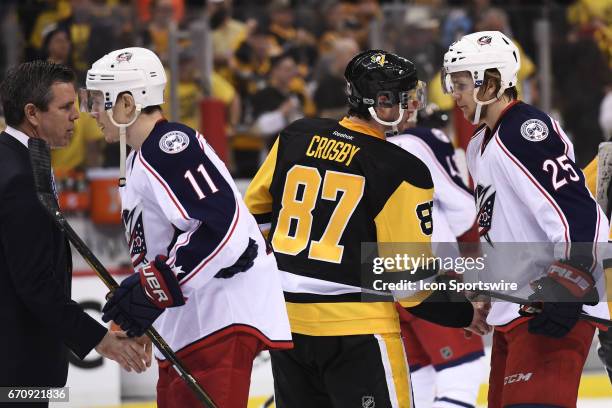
(40,158)
(521,301)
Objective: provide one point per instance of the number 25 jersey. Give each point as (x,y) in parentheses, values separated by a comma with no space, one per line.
(529,190)
(325,188)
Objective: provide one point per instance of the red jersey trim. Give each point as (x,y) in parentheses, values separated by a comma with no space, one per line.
(161,181)
(227,331)
(535,183)
(219,248)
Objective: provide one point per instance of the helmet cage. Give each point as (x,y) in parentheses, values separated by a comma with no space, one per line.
(413,99)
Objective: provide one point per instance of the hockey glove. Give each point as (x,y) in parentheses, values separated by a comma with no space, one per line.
(142,297)
(243,264)
(560,296)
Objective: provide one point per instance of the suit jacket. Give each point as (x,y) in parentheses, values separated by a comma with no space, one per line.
(38,320)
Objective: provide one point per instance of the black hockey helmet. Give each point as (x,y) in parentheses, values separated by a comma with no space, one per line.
(374,73)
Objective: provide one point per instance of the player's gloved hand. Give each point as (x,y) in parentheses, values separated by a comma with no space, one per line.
(243,264)
(559,297)
(142,297)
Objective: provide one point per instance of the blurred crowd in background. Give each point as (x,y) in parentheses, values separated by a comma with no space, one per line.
(275,61)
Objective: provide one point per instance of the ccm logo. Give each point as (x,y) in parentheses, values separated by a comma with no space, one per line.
(517,377)
(154,288)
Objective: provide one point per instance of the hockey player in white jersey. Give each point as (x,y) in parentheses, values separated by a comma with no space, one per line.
(442,358)
(204,278)
(528,190)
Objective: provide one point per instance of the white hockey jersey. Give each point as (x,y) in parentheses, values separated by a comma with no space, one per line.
(529,190)
(454,211)
(180,201)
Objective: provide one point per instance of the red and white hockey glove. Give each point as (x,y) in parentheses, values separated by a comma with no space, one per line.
(160,284)
(560,296)
(142,297)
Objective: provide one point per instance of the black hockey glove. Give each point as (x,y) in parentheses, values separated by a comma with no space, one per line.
(243,264)
(560,296)
(142,297)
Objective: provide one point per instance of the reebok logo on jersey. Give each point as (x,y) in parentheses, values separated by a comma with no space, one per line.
(517,377)
(174,142)
(534,130)
(342,135)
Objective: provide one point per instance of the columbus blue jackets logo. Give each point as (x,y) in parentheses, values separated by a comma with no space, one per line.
(485,200)
(484,40)
(534,130)
(134,234)
(174,142)
(124,57)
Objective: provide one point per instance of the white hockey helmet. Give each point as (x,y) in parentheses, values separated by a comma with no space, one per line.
(477,52)
(136,70)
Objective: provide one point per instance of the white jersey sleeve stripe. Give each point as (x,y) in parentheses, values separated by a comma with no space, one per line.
(165,186)
(442,170)
(209,258)
(594,264)
(186,239)
(540,188)
(556,126)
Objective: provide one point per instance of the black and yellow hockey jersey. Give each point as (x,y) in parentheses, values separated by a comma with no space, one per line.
(325,188)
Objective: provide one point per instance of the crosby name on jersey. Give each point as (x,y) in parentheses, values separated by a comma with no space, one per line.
(529,190)
(180,201)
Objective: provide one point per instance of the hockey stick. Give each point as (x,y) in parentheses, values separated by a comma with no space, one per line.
(269,402)
(40,158)
(521,301)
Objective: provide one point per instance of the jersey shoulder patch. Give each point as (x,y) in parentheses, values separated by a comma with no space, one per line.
(174,142)
(526,130)
(534,130)
(167,141)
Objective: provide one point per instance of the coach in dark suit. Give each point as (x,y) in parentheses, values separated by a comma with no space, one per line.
(39,323)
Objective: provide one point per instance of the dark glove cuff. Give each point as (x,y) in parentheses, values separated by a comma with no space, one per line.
(573,277)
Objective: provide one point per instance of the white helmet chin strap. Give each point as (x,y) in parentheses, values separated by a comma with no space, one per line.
(480,104)
(385,123)
(122,141)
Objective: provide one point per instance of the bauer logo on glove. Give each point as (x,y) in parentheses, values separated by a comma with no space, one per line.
(142,297)
(153,278)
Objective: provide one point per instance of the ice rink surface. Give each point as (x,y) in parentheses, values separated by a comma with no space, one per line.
(595,403)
